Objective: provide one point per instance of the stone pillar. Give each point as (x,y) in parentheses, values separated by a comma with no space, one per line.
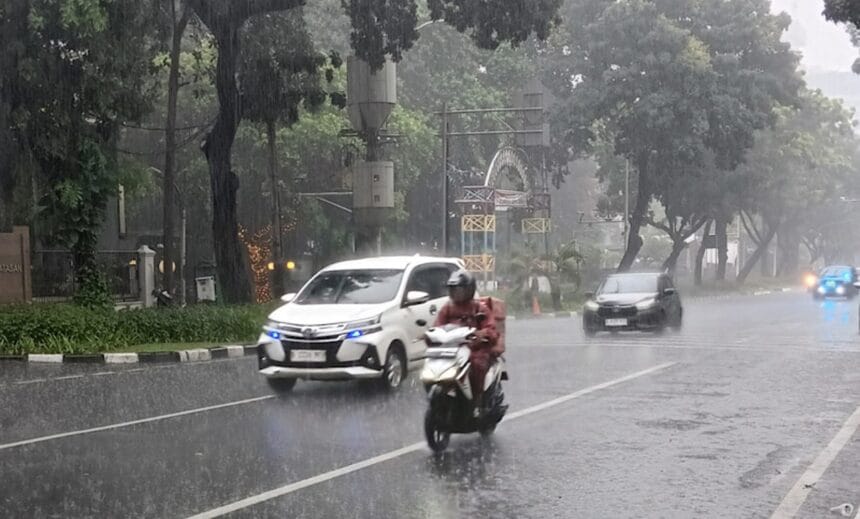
(146,275)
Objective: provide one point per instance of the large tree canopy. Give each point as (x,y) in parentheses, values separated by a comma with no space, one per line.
(380,28)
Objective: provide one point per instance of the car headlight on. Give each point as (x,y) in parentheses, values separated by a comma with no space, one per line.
(840,290)
(821,290)
(357,329)
(646,304)
(592,305)
(272,330)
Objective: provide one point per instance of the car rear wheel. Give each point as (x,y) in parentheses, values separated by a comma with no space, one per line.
(281,386)
(395,368)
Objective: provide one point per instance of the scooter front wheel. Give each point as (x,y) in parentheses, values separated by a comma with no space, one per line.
(437,439)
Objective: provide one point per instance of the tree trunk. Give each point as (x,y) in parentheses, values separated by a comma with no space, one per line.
(637,217)
(13,28)
(678,246)
(789,246)
(722,247)
(757,255)
(233,275)
(169,180)
(278,285)
(700,256)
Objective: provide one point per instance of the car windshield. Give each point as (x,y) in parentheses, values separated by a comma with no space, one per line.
(351,287)
(628,285)
(836,272)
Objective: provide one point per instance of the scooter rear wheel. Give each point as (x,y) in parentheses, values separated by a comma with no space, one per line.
(437,440)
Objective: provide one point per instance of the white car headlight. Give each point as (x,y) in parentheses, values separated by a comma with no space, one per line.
(591,305)
(840,290)
(646,304)
(272,330)
(356,329)
(364,323)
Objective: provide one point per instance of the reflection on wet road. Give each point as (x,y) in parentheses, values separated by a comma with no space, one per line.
(746,398)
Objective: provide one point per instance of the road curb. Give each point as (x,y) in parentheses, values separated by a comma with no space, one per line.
(146,357)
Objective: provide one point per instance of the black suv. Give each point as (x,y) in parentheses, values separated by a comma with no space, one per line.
(634,301)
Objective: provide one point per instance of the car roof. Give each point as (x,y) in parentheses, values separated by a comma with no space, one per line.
(390,262)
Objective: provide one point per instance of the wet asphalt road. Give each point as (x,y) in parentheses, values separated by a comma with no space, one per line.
(719,420)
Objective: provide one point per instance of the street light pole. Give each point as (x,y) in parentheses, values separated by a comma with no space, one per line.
(443,246)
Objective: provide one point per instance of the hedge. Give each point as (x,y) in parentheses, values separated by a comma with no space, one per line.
(65,328)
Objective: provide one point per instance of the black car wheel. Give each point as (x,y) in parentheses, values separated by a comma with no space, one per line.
(395,368)
(676,326)
(281,386)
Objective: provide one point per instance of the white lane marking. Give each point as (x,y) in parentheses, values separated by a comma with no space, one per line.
(68,377)
(134,422)
(797,495)
(348,469)
(121,372)
(33,381)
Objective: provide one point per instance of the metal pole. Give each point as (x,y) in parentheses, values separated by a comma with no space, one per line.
(626,202)
(444,245)
(183,252)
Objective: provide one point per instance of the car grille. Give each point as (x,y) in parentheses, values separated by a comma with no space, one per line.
(617,311)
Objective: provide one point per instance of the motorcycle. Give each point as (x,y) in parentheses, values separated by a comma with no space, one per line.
(451,402)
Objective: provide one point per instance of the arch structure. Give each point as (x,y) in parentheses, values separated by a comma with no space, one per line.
(480,204)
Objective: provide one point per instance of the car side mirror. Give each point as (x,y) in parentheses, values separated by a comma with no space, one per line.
(668,291)
(416,297)
(857,284)
(286,298)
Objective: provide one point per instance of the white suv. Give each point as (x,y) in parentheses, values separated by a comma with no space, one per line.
(361,319)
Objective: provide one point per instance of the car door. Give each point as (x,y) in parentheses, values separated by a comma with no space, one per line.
(431,279)
(672,302)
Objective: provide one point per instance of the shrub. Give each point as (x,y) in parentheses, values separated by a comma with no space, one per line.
(73,329)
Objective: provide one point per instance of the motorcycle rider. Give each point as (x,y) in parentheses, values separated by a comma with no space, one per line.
(463,309)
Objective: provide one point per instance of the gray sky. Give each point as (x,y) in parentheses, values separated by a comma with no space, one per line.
(828,53)
(825,45)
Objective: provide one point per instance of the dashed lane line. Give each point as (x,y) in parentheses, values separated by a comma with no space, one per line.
(150,419)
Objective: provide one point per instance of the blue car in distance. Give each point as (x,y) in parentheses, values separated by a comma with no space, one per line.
(836,281)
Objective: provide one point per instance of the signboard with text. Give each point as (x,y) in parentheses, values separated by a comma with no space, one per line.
(15,266)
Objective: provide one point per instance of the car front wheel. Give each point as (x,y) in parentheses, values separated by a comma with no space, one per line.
(281,386)
(395,368)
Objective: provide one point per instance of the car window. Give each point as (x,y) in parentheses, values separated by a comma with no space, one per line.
(628,285)
(430,279)
(352,287)
(838,272)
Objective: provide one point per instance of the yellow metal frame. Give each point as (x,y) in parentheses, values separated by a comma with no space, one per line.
(480,263)
(478,223)
(536,225)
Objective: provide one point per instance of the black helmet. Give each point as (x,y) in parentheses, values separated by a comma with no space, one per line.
(461,286)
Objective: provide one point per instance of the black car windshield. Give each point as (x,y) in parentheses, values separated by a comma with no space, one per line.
(628,285)
(351,287)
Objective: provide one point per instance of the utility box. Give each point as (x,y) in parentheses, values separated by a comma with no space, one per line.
(205,288)
(373,191)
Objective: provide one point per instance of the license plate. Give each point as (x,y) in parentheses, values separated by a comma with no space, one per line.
(307,355)
(616,322)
